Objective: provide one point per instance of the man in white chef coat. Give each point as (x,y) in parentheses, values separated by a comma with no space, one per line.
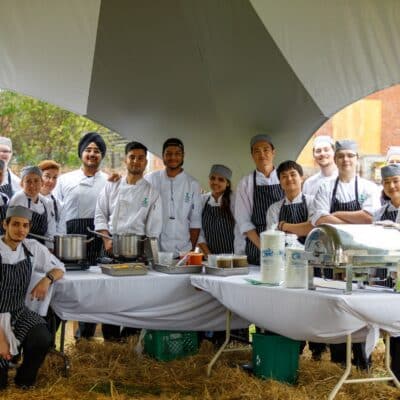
(181,200)
(132,204)
(323,153)
(78,192)
(348,199)
(255,193)
(10,182)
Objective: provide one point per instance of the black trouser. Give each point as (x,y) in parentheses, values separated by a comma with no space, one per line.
(395,355)
(87,330)
(35,347)
(338,354)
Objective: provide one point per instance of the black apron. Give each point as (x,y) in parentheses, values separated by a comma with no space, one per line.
(39,223)
(79,226)
(14,283)
(295,214)
(7,187)
(56,210)
(218,229)
(263,197)
(3,210)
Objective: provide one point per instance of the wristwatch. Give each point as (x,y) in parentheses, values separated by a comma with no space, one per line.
(51,277)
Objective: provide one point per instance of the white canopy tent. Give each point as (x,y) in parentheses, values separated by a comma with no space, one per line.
(212,73)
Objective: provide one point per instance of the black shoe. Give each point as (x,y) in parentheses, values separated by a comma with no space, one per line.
(3,378)
(247,368)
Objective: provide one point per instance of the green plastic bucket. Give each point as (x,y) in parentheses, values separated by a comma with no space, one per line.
(275,357)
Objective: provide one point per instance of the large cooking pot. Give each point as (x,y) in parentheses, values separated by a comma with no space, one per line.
(69,247)
(128,245)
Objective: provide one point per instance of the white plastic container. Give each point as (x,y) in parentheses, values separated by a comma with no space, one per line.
(272,257)
(296,271)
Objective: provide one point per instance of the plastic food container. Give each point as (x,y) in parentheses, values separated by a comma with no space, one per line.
(195,259)
(165,258)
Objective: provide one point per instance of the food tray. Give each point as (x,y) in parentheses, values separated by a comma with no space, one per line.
(227,271)
(124,269)
(184,269)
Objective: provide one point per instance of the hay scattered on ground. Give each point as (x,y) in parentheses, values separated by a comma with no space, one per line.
(104,371)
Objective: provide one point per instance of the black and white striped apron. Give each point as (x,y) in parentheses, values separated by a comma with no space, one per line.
(79,226)
(263,197)
(218,229)
(7,187)
(39,223)
(14,283)
(295,214)
(3,210)
(56,210)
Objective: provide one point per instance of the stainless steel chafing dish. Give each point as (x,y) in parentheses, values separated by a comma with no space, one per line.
(352,248)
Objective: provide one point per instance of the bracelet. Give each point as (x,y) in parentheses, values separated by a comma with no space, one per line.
(50,277)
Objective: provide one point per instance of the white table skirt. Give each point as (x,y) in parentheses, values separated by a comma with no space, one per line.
(153,301)
(324,315)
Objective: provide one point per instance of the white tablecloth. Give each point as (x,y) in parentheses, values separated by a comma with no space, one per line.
(153,301)
(324,315)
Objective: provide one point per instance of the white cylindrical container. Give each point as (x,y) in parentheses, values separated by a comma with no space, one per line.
(272,257)
(296,272)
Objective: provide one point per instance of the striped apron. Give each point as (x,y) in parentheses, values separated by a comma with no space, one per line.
(79,226)
(218,229)
(3,210)
(39,223)
(295,214)
(7,187)
(14,283)
(263,197)
(56,211)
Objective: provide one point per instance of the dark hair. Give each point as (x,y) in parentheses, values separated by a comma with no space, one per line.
(135,146)
(8,219)
(173,142)
(226,201)
(288,165)
(384,196)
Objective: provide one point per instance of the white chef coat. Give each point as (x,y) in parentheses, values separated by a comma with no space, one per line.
(78,193)
(312,184)
(378,213)
(128,208)
(275,208)
(368,196)
(239,242)
(244,198)
(181,209)
(42,260)
(21,199)
(15,180)
(59,209)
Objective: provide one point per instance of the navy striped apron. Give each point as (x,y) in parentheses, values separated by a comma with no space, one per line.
(263,197)
(39,223)
(3,210)
(14,283)
(295,214)
(7,187)
(79,226)
(56,210)
(218,229)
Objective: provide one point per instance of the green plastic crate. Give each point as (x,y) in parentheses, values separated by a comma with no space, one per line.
(276,357)
(170,345)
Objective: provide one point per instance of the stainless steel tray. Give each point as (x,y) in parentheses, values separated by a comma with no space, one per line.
(227,271)
(172,269)
(125,269)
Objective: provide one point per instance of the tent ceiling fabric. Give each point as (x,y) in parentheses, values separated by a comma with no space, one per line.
(210,72)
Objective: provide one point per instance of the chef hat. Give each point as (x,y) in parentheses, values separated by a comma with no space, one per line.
(260,138)
(173,142)
(390,170)
(393,151)
(19,211)
(92,137)
(30,169)
(221,170)
(323,140)
(6,142)
(346,144)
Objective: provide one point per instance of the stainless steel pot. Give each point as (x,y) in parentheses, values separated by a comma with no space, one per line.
(127,245)
(69,247)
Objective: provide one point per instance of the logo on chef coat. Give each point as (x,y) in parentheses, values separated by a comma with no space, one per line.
(362,197)
(187,197)
(145,202)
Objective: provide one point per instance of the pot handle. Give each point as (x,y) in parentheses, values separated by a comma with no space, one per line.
(47,239)
(98,234)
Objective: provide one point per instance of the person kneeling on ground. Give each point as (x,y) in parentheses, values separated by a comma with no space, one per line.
(19,257)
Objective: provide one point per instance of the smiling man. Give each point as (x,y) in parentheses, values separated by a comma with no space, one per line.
(255,194)
(323,153)
(181,200)
(19,258)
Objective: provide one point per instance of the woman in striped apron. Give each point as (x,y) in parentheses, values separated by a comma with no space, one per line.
(19,324)
(390,212)
(217,234)
(43,219)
